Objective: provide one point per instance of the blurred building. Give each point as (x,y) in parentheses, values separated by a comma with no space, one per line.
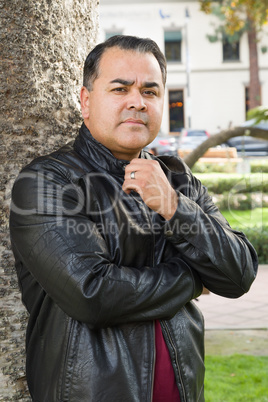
(207,85)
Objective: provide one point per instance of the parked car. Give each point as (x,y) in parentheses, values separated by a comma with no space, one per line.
(164,145)
(191,138)
(250,146)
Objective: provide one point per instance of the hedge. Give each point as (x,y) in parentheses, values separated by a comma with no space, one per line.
(238,192)
(221,167)
(229,166)
(259,166)
(242,202)
(259,239)
(220,183)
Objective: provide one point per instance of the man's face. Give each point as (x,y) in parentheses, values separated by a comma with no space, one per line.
(124,109)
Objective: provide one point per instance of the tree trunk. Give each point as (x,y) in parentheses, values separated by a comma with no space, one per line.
(43,46)
(254,81)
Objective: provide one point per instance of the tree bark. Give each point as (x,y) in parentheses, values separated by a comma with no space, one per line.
(43,46)
(221,138)
(254,81)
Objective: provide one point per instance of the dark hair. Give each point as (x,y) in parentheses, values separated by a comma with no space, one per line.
(142,45)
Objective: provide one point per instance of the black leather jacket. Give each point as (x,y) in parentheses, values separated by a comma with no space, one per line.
(96,267)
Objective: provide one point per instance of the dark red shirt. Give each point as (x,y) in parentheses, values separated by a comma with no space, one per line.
(165,388)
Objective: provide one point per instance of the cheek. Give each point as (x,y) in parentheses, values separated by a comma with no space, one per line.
(156,118)
(109,111)
(102,114)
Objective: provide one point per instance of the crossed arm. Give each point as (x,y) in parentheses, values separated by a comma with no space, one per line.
(78,274)
(224,258)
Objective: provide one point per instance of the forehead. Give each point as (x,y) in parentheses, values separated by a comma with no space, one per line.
(130,64)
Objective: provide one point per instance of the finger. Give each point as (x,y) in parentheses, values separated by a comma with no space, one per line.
(140,164)
(130,185)
(132,167)
(136,175)
(141,169)
(133,173)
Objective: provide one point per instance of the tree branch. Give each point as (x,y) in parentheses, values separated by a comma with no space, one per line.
(220,138)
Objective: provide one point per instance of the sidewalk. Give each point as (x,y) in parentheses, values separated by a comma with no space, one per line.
(237,325)
(250,311)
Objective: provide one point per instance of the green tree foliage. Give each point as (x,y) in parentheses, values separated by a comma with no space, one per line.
(258,113)
(236,14)
(236,17)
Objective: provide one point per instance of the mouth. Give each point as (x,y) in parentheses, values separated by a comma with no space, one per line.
(134,121)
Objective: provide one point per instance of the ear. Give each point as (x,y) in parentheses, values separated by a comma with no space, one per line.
(84,99)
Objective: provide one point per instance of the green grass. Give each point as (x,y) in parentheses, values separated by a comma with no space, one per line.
(236,378)
(257,217)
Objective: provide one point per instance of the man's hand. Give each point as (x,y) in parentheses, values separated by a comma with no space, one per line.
(150,182)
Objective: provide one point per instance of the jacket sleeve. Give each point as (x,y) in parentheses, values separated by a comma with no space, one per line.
(225,260)
(76,271)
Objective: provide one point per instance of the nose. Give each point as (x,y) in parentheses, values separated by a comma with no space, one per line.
(136,101)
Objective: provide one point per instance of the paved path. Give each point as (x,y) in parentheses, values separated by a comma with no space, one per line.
(250,311)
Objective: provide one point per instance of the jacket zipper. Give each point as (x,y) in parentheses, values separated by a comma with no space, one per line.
(67,351)
(154,359)
(153,260)
(176,356)
(149,217)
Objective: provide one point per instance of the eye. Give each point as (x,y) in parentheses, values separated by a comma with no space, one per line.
(150,92)
(119,89)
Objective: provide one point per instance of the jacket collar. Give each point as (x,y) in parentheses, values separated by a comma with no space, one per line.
(97,154)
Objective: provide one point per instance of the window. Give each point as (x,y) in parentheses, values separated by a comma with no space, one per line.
(109,34)
(176,111)
(247,96)
(230,50)
(173,45)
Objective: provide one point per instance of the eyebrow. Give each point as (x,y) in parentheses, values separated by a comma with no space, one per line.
(129,83)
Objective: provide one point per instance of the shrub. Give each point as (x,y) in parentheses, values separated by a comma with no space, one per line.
(243,202)
(259,166)
(221,183)
(221,167)
(259,239)
(229,166)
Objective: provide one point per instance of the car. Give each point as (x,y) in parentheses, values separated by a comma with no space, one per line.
(164,145)
(250,146)
(191,138)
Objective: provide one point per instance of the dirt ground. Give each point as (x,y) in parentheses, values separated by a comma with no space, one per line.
(228,342)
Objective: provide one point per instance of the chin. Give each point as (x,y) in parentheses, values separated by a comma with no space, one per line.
(138,146)
(136,142)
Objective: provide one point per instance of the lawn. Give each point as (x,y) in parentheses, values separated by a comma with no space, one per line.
(257,217)
(236,378)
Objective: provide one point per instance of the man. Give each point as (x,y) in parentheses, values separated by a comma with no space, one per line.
(112,245)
